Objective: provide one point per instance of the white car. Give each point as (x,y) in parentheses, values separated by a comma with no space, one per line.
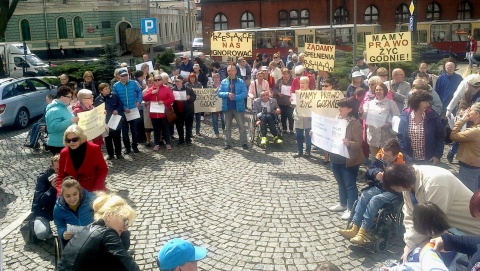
(197,44)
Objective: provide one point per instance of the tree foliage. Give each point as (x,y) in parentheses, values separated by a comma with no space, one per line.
(7,9)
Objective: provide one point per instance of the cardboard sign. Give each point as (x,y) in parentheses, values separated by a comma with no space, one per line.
(207,100)
(319,57)
(93,121)
(390,47)
(328,134)
(323,102)
(234,44)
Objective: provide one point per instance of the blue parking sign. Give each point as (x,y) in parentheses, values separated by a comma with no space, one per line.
(149,26)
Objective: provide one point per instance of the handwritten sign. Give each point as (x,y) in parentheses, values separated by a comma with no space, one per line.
(234,44)
(390,47)
(322,102)
(319,57)
(138,67)
(328,134)
(93,121)
(207,100)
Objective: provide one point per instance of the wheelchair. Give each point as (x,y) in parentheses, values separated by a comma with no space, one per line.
(387,224)
(58,246)
(255,131)
(40,140)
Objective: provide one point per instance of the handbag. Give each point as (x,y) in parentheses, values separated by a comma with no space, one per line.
(27,229)
(170,114)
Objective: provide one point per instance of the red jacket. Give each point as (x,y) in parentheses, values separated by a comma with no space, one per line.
(92,173)
(164,94)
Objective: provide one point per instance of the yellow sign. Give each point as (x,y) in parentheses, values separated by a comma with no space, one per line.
(411,8)
(390,47)
(207,100)
(322,102)
(233,44)
(319,57)
(93,121)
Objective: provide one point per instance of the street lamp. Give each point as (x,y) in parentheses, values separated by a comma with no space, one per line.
(189,19)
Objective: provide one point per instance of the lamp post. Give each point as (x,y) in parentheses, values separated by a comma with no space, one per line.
(331,22)
(190,28)
(354,32)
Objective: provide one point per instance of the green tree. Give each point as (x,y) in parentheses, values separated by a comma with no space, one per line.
(6,11)
(108,63)
(165,59)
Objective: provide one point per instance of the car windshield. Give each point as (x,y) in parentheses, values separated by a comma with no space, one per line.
(34,60)
(198,40)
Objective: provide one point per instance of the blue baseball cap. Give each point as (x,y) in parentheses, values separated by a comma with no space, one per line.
(178,252)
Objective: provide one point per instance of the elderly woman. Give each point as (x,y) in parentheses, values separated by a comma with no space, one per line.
(73,207)
(282,94)
(184,110)
(302,125)
(275,71)
(83,160)
(58,118)
(216,115)
(89,84)
(468,154)
(258,85)
(85,103)
(422,184)
(357,82)
(102,245)
(192,82)
(420,133)
(147,121)
(378,114)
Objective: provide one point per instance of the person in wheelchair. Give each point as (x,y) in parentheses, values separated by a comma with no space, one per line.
(266,110)
(373,197)
(39,126)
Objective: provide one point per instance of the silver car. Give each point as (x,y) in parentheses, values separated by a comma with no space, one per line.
(22,99)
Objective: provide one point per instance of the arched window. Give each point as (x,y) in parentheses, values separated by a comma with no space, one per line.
(220,22)
(371,15)
(283,18)
(25,29)
(247,20)
(433,12)
(78,27)
(62,28)
(340,16)
(402,14)
(464,11)
(304,17)
(293,17)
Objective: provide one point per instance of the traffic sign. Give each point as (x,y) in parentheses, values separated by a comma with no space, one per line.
(149,26)
(411,8)
(412,23)
(149,39)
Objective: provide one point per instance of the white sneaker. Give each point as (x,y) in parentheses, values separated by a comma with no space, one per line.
(346,215)
(202,118)
(337,208)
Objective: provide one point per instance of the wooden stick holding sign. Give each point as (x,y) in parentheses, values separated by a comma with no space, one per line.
(207,100)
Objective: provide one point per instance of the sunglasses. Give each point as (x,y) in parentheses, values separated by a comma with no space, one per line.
(124,75)
(74,140)
(157,80)
(325,86)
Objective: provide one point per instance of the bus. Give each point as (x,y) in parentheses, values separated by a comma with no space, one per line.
(281,39)
(446,35)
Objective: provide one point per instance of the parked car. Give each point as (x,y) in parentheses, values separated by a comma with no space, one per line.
(197,44)
(22,99)
(431,54)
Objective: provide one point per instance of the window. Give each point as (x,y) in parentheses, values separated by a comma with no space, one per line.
(285,38)
(461,31)
(464,11)
(282,18)
(62,28)
(304,17)
(371,15)
(220,22)
(440,33)
(78,27)
(422,36)
(247,20)
(433,12)
(293,17)
(166,30)
(340,16)
(402,14)
(106,24)
(25,29)
(265,39)
(344,36)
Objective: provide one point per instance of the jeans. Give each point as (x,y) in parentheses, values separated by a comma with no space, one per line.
(34,134)
(471,59)
(41,227)
(268,119)
(133,130)
(303,135)
(346,179)
(113,139)
(160,125)
(286,114)
(368,205)
(469,176)
(240,119)
(187,121)
(454,148)
(198,121)
(215,121)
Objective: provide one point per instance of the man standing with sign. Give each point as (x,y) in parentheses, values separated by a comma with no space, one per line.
(233,93)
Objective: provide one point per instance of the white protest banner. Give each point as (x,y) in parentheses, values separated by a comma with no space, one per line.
(376,118)
(133,114)
(390,47)
(319,57)
(157,108)
(323,102)
(234,44)
(328,134)
(138,67)
(207,100)
(93,121)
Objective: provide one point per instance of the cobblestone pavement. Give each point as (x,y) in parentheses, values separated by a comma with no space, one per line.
(253,209)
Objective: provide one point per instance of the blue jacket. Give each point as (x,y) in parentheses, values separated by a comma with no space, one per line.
(58,119)
(446,86)
(45,196)
(112,103)
(129,93)
(434,135)
(188,67)
(240,94)
(63,215)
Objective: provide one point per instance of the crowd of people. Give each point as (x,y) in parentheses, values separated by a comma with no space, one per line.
(402,159)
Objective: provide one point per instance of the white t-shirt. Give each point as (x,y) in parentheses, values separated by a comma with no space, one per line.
(265,107)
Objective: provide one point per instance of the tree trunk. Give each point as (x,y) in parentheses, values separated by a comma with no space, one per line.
(6,12)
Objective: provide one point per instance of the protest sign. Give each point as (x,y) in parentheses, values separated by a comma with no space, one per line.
(322,102)
(138,67)
(207,100)
(234,44)
(328,134)
(390,47)
(93,121)
(376,118)
(319,57)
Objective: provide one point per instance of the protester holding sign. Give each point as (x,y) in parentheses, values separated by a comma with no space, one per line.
(85,103)
(303,125)
(192,82)
(184,109)
(282,94)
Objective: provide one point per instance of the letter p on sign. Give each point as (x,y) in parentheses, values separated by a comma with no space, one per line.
(149,26)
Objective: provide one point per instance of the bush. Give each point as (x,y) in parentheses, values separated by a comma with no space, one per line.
(51,80)
(165,58)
